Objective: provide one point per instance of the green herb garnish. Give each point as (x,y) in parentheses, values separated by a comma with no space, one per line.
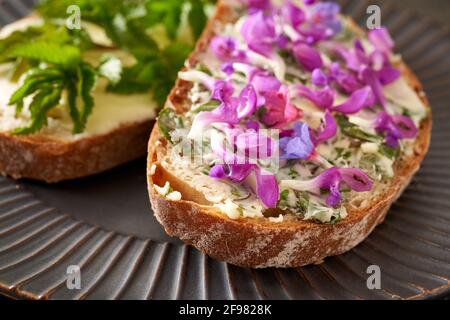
(353,131)
(168,121)
(388,152)
(50,57)
(284,195)
(209,106)
(303,203)
(342,153)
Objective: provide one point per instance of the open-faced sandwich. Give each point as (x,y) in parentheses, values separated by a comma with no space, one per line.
(79,94)
(351,121)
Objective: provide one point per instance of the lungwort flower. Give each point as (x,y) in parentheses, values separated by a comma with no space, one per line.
(297,144)
(300,142)
(332,181)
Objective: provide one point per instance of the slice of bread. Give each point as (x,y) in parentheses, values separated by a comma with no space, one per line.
(117,131)
(258,242)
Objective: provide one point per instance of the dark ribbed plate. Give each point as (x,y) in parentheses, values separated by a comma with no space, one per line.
(104,225)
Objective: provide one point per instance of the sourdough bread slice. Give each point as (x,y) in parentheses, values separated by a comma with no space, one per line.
(117,131)
(258,242)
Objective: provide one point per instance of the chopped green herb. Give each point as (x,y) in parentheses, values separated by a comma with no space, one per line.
(293,173)
(235,193)
(209,106)
(284,195)
(335,219)
(342,153)
(353,131)
(303,203)
(389,152)
(168,121)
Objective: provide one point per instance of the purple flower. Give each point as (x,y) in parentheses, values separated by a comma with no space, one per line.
(309,2)
(374,70)
(220,89)
(239,152)
(225,49)
(293,15)
(355,103)
(253,125)
(322,21)
(231,109)
(278,109)
(248,70)
(298,145)
(307,56)
(370,77)
(265,83)
(240,146)
(324,99)
(355,57)
(227,68)
(326,131)
(246,103)
(346,80)
(266,186)
(257,5)
(319,78)
(388,74)
(395,128)
(259,33)
(261,80)
(381,39)
(332,180)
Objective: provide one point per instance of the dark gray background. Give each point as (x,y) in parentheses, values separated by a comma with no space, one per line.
(436,9)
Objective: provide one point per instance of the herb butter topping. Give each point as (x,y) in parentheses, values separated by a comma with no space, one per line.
(337,99)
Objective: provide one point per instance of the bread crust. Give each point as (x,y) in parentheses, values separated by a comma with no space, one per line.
(258,243)
(52,160)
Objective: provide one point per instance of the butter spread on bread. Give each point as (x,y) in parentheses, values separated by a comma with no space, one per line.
(353,127)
